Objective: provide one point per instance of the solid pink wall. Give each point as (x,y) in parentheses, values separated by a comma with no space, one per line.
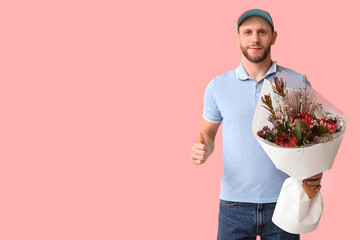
(101,101)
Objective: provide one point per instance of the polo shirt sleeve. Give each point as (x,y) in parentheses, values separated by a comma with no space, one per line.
(306,81)
(211,111)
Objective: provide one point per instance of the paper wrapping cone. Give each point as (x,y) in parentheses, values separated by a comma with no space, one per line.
(295,212)
(302,162)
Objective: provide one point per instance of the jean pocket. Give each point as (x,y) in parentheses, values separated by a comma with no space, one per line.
(228,203)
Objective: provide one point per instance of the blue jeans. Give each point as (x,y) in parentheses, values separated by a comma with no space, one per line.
(239,220)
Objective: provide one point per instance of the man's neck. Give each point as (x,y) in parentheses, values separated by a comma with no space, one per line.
(256,70)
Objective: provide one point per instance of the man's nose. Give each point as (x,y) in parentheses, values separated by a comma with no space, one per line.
(255,38)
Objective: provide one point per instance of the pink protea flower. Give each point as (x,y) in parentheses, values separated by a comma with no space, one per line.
(303,117)
(286,140)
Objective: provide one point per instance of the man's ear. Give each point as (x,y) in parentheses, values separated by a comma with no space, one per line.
(274,38)
(237,39)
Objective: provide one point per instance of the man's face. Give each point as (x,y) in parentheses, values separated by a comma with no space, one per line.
(255,38)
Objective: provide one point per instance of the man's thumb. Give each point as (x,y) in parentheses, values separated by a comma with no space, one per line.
(199,138)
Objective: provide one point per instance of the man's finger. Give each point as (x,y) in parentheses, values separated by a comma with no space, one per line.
(200,152)
(200,146)
(313,182)
(199,157)
(198,162)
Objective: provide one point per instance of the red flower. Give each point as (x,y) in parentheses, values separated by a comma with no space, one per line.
(303,117)
(286,140)
(264,133)
(328,125)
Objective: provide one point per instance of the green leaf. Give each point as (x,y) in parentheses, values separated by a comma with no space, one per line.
(321,130)
(297,132)
(272,138)
(303,127)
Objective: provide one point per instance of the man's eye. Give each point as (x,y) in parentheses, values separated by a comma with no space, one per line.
(246,32)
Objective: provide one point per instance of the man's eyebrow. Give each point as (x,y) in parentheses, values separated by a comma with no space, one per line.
(248,29)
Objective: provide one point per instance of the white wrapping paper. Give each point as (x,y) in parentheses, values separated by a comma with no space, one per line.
(295,212)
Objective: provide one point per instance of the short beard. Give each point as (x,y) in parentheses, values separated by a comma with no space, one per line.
(256,59)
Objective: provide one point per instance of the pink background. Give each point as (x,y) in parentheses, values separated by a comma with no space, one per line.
(100,103)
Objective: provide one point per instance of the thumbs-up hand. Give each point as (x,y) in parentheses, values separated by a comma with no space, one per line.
(199,152)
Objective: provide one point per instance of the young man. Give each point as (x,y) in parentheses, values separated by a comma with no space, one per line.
(250,184)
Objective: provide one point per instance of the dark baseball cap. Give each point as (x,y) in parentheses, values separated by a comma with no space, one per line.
(255,12)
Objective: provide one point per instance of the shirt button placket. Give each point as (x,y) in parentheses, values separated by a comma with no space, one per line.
(256,93)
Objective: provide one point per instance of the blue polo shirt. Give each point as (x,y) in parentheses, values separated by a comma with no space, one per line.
(249,174)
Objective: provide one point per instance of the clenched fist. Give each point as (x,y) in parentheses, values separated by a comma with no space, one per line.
(200,151)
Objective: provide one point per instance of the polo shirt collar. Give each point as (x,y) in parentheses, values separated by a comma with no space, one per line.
(242,74)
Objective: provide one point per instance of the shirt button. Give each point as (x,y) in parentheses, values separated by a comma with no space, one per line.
(257,94)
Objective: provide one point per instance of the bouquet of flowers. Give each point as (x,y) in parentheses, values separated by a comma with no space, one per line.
(294,120)
(303,139)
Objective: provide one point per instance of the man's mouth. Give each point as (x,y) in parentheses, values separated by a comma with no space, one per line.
(255,48)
